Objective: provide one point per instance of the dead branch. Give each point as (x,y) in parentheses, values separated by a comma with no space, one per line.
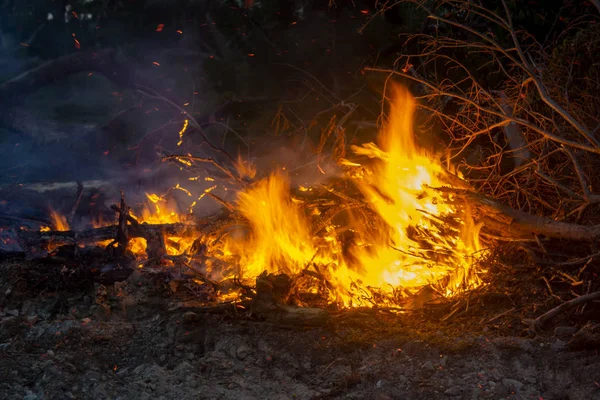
(32,241)
(101,61)
(76,204)
(511,222)
(46,187)
(187,160)
(122,239)
(538,324)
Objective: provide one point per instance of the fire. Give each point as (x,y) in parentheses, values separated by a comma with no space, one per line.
(59,221)
(160,211)
(399,189)
(279,239)
(397,234)
(410,237)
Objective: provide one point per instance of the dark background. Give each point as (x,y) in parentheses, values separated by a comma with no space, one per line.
(232,65)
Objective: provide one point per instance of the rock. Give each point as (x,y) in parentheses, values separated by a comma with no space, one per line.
(512,384)
(443,361)
(140,369)
(25,307)
(30,397)
(559,345)
(454,391)
(242,352)
(184,368)
(14,313)
(565,331)
(50,353)
(263,346)
(190,317)
(428,366)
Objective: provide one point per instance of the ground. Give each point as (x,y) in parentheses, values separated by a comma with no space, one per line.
(137,339)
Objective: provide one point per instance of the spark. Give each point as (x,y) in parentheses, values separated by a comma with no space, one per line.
(182,131)
(184,161)
(184,190)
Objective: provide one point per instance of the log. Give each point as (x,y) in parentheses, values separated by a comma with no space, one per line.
(282,314)
(32,241)
(516,223)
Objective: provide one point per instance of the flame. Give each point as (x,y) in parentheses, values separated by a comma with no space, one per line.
(59,221)
(399,189)
(411,236)
(160,211)
(279,238)
(404,235)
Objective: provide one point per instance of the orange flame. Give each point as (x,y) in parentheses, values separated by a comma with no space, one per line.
(160,211)
(406,244)
(279,240)
(59,222)
(407,236)
(399,189)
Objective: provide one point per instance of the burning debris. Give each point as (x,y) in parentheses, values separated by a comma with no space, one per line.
(375,236)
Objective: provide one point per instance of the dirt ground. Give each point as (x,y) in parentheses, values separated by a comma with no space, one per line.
(66,338)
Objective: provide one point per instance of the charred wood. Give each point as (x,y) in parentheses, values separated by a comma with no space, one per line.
(32,241)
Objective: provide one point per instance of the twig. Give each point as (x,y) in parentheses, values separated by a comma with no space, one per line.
(489,321)
(77,201)
(149,92)
(212,161)
(537,324)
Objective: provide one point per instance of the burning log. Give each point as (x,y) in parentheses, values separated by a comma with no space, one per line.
(513,223)
(32,241)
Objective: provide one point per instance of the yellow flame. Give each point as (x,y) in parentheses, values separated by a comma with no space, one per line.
(279,239)
(245,168)
(408,235)
(398,188)
(182,131)
(161,212)
(59,222)
(407,243)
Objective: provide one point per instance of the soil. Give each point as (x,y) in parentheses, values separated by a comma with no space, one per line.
(141,339)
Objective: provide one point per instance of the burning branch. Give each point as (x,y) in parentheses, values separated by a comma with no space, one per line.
(32,241)
(546,129)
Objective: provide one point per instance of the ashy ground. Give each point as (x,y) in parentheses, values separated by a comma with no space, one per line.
(138,340)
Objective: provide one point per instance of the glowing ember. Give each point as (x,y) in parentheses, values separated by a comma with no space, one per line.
(160,211)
